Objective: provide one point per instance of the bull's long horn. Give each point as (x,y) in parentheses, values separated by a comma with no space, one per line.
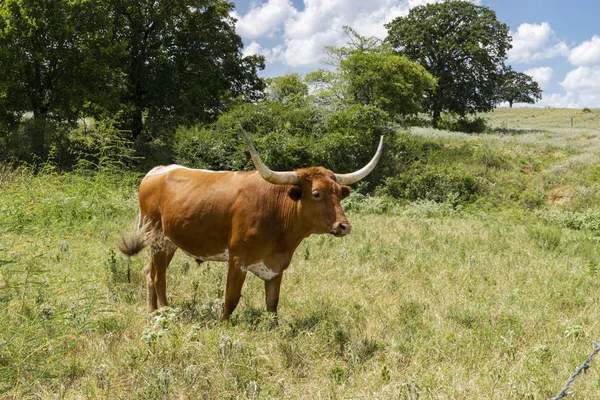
(279,178)
(353,177)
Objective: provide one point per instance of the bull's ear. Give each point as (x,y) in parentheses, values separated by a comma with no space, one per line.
(295,192)
(346,192)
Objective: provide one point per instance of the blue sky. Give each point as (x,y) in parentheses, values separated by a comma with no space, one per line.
(556,42)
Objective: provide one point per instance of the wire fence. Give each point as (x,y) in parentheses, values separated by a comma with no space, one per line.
(583,368)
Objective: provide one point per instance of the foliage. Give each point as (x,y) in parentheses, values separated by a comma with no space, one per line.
(369,73)
(443,185)
(50,64)
(384,80)
(183,61)
(288,137)
(462,45)
(153,64)
(288,88)
(518,87)
(449,122)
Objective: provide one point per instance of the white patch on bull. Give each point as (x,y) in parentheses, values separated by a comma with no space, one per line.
(260,269)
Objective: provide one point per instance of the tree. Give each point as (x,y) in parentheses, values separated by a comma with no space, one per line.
(369,73)
(183,60)
(393,84)
(518,87)
(288,89)
(461,44)
(49,63)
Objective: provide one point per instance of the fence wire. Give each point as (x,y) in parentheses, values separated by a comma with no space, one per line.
(583,368)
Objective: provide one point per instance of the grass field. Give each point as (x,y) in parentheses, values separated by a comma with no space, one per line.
(424,300)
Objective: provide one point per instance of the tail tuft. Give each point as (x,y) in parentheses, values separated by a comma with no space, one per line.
(132,243)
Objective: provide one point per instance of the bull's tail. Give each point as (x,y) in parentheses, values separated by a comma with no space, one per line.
(132,243)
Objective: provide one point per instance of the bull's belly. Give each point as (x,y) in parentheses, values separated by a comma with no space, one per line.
(259,269)
(224,256)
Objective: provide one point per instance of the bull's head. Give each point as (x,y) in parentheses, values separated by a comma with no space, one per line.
(318,190)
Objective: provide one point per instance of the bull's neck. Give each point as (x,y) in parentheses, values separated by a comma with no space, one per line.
(295,228)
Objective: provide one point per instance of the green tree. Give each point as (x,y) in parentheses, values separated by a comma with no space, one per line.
(49,62)
(288,88)
(461,44)
(393,84)
(183,60)
(518,87)
(369,73)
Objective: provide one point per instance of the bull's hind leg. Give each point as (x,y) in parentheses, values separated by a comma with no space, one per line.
(150,274)
(162,251)
(161,261)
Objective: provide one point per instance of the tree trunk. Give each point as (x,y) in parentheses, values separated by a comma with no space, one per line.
(510,103)
(435,118)
(40,114)
(38,133)
(137,123)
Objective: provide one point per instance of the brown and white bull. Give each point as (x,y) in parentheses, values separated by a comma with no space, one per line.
(253,220)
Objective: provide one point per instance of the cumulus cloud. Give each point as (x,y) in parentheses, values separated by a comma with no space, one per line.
(305,32)
(542,75)
(271,55)
(264,19)
(587,53)
(582,89)
(534,42)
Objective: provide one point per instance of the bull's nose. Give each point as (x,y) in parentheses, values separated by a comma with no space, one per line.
(345,227)
(341,228)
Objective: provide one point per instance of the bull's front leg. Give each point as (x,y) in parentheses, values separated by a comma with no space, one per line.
(233,291)
(272,287)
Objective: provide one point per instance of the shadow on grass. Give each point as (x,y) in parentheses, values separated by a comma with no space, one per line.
(513,131)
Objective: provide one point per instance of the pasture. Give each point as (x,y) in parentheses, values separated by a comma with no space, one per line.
(424,300)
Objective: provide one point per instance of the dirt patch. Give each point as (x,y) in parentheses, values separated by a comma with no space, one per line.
(560,195)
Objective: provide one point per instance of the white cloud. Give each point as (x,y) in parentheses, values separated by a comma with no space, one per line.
(583,79)
(542,75)
(582,86)
(264,19)
(305,33)
(271,55)
(533,42)
(587,53)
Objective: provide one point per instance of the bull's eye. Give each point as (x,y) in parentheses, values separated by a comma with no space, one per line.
(316,194)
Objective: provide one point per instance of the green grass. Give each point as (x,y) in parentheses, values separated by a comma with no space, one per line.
(493,300)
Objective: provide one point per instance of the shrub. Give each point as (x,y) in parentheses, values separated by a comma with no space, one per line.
(586,110)
(291,137)
(439,184)
(462,124)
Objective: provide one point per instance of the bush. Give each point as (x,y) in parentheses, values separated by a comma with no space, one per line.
(291,137)
(462,124)
(439,184)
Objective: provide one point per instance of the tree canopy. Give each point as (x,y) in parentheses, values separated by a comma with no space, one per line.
(182,59)
(369,73)
(175,62)
(518,87)
(461,44)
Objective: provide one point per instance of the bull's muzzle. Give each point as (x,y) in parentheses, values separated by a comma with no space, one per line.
(341,229)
